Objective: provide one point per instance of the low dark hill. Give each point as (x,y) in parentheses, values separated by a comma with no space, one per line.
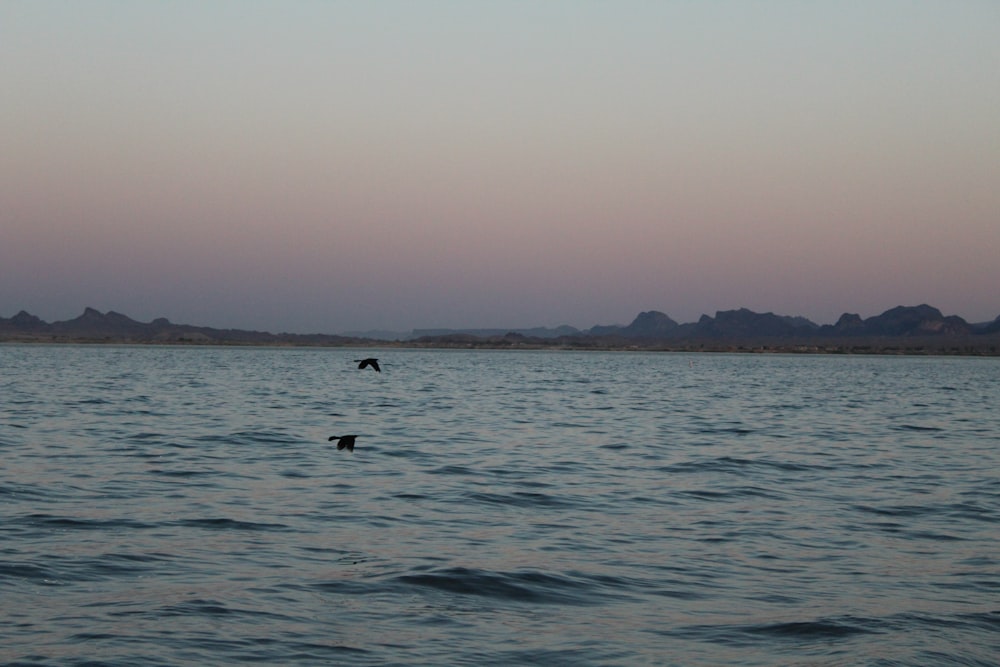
(111,327)
(648,325)
(991,328)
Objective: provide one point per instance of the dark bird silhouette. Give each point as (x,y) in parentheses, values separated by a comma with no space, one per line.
(344,442)
(365,363)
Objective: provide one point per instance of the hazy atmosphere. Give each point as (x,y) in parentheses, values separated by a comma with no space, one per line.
(332,166)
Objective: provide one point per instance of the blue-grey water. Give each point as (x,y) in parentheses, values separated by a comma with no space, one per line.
(182,506)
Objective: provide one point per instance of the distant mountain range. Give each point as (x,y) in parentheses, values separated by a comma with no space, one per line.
(906,328)
(919,329)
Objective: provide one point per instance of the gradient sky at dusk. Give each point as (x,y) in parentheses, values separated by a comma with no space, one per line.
(330,166)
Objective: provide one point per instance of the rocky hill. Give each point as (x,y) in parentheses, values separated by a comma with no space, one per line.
(744,324)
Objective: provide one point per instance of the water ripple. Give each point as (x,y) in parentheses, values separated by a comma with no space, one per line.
(176,506)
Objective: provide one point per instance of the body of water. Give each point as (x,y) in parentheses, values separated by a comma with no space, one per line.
(183,506)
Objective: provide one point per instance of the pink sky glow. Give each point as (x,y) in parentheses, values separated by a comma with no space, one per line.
(322,167)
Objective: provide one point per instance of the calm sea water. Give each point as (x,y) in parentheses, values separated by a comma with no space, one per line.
(182,506)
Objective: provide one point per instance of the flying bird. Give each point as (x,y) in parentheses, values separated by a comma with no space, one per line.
(365,363)
(344,442)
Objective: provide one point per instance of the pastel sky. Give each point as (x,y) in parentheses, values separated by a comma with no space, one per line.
(331,166)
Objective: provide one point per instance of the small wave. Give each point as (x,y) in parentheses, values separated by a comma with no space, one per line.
(145,435)
(19,490)
(727,430)
(197,607)
(525,586)
(452,470)
(91,636)
(933,536)
(521,499)
(410,496)
(821,629)
(895,511)
(112,566)
(972,511)
(238,437)
(828,629)
(615,446)
(61,570)
(73,523)
(737,465)
(349,587)
(28,571)
(916,427)
(987,620)
(677,593)
(231,524)
(180,473)
(733,494)
(705,494)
